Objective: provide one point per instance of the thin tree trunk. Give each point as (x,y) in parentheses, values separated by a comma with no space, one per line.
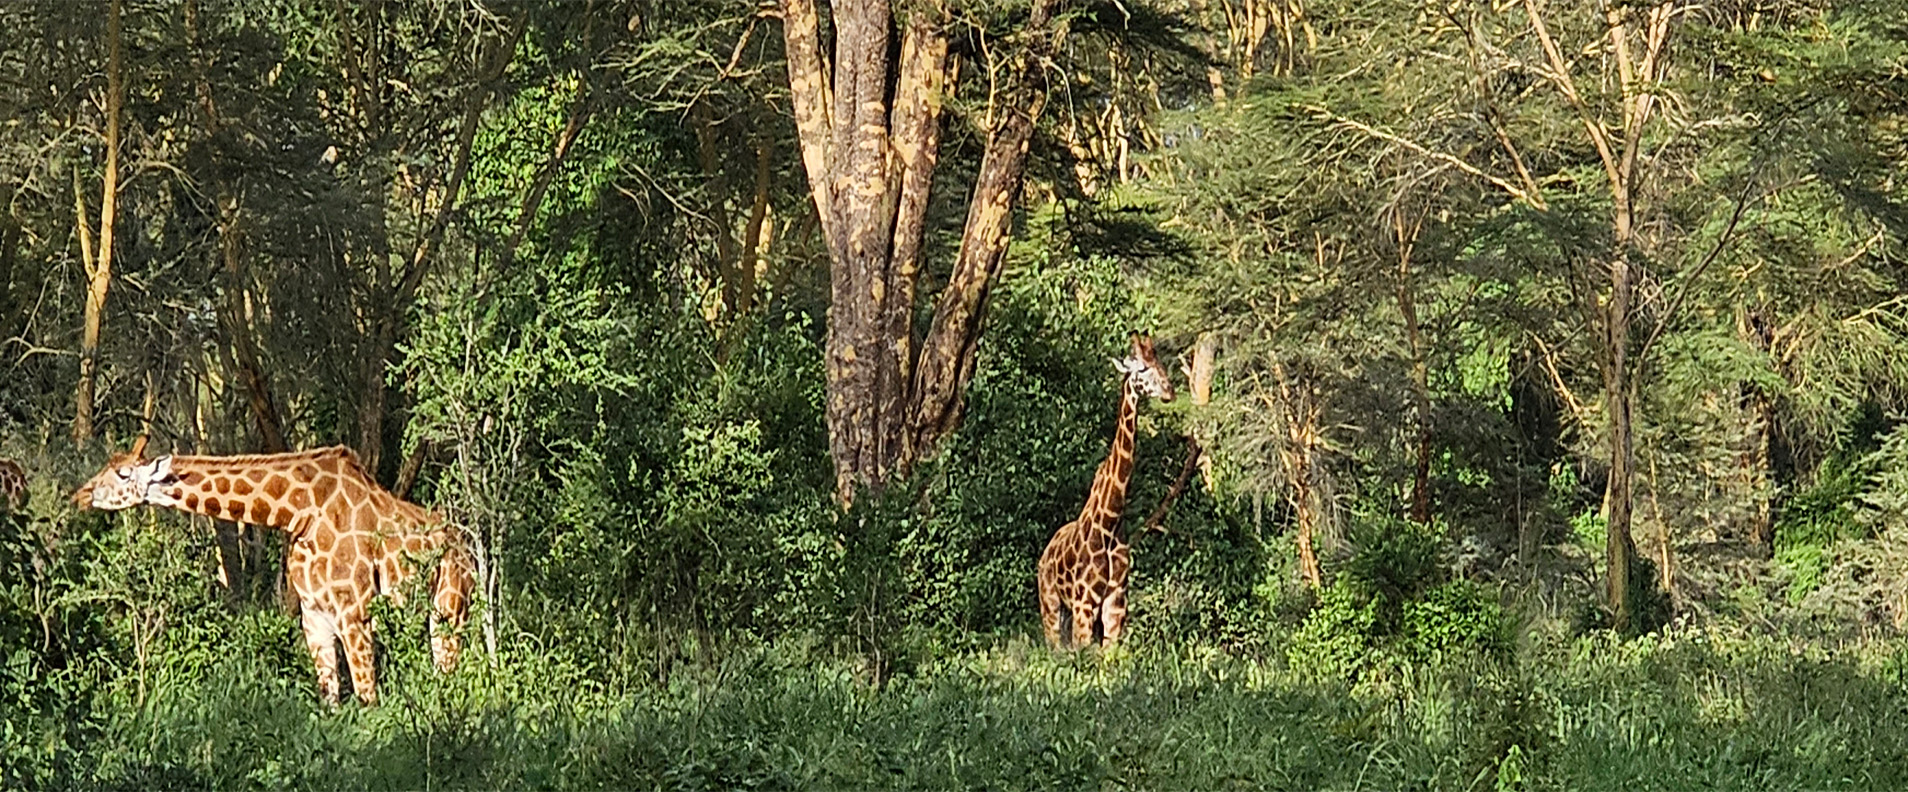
(1665,553)
(392,325)
(1757,461)
(240,327)
(1298,457)
(12,320)
(1199,376)
(533,199)
(1420,372)
(99,263)
(1619,159)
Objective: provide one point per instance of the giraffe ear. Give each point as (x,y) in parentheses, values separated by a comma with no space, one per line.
(162,468)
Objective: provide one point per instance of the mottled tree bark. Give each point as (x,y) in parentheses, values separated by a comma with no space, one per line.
(870,140)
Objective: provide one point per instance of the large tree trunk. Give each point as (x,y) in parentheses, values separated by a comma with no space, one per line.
(99,262)
(870,156)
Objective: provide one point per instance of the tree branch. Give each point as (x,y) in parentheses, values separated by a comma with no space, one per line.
(1519,193)
(1156,520)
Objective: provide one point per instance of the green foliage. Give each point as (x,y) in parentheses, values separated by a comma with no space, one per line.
(1714,710)
(1394,600)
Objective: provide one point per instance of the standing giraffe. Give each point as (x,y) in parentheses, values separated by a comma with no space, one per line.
(1082,574)
(13,486)
(350,541)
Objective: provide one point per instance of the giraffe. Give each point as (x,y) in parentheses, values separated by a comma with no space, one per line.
(350,541)
(1082,574)
(13,486)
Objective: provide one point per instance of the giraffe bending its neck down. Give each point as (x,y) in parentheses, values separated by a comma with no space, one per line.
(350,541)
(1082,574)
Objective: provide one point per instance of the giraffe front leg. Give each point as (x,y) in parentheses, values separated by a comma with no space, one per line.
(321,638)
(1085,615)
(1113,617)
(361,653)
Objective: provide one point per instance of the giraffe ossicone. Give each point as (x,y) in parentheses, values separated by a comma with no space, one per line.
(1082,574)
(350,541)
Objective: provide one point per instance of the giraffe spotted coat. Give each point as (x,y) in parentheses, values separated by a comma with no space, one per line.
(349,541)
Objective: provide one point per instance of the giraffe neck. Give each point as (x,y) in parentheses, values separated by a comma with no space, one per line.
(272,490)
(1108,499)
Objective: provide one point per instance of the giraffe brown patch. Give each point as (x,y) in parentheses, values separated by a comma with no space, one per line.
(213,506)
(261,512)
(241,487)
(191,478)
(362,577)
(224,485)
(305,473)
(276,486)
(322,488)
(237,508)
(192,500)
(353,491)
(324,537)
(282,517)
(328,463)
(347,551)
(256,474)
(300,498)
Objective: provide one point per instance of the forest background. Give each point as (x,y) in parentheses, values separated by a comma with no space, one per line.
(1546,363)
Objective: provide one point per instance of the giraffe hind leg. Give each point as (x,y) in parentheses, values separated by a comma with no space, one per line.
(450,608)
(361,653)
(1113,617)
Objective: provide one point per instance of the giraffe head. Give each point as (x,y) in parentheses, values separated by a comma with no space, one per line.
(129,480)
(1144,370)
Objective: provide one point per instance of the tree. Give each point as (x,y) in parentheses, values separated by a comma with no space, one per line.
(98,258)
(1639,79)
(870,132)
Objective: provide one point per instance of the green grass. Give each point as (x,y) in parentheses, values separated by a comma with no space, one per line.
(1692,712)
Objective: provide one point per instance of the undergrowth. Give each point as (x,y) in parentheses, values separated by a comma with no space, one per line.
(1695,710)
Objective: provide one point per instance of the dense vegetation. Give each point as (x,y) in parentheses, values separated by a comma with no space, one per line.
(1545,364)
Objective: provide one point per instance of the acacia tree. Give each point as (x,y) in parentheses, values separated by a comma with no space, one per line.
(98,258)
(1617,142)
(870,132)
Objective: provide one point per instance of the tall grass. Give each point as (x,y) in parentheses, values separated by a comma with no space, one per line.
(1694,711)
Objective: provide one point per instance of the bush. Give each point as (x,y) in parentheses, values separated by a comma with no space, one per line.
(1394,597)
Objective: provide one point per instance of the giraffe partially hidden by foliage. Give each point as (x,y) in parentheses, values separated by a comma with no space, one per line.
(350,541)
(13,486)
(1082,574)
